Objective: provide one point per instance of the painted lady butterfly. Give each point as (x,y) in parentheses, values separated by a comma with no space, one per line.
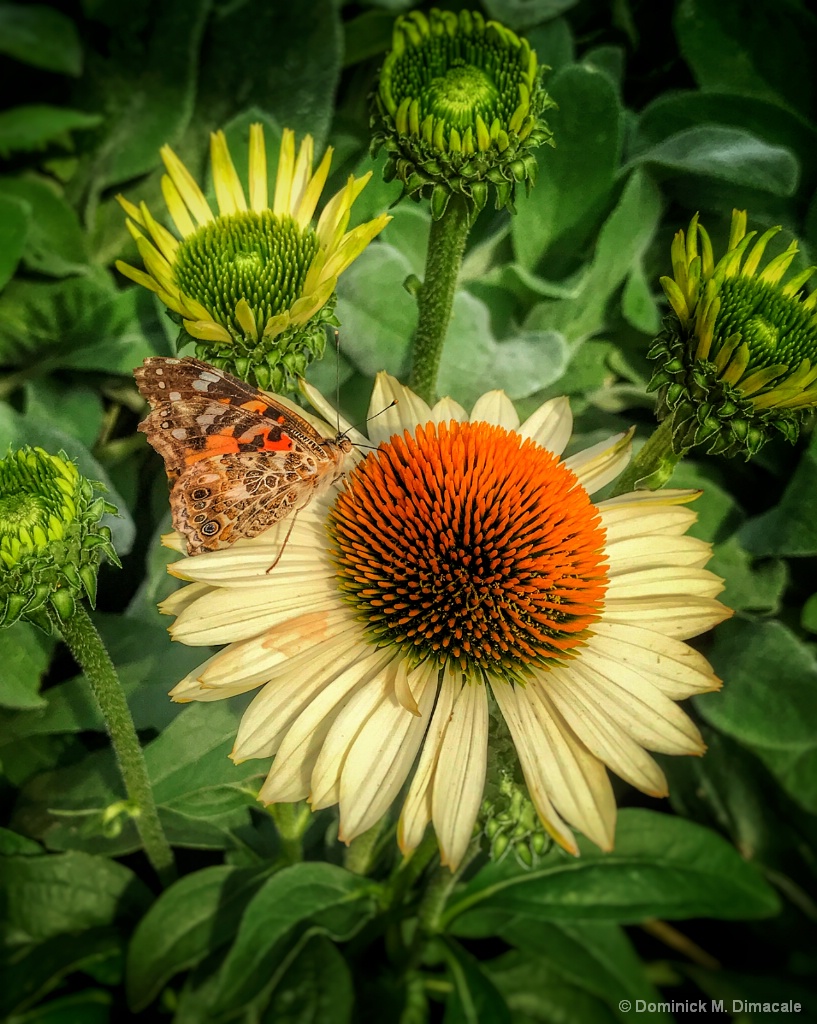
(238,460)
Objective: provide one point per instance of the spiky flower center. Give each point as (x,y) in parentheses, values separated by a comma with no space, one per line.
(459,93)
(468,542)
(38,496)
(775,326)
(259,257)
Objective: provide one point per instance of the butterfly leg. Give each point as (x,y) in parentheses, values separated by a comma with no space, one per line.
(286,540)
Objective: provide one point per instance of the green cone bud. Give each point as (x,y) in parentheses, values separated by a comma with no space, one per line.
(51,540)
(737,357)
(457,107)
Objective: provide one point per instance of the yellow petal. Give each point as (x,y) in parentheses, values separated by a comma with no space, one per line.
(166,243)
(301,174)
(175,204)
(335,216)
(308,305)
(276,325)
(283,179)
(258,169)
(188,189)
(132,211)
(353,245)
(207,330)
(246,319)
(229,193)
(312,193)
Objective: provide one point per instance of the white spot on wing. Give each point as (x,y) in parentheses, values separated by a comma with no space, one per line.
(174,396)
(180,433)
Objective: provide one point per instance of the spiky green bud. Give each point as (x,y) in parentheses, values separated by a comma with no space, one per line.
(51,540)
(737,358)
(458,107)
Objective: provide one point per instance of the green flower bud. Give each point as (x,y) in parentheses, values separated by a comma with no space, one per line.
(457,107)
(254,285)
(51,540)
(737,358)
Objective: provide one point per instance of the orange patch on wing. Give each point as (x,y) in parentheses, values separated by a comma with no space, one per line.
(259,438)
(216,444)
(255,405)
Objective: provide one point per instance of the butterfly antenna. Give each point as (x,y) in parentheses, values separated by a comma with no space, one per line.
(337,375)
(362,423)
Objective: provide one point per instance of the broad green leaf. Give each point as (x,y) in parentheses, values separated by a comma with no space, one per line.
(767,702)
(522,14)
(317,988)
(790,528)
(638,303)
(44,965)
(78,410)
(537,994)
(25,653)
(750,584)
(65,892)
(285,902)
(13,842)
(40,36)
(474,997)
(808,618)
(766,55)
(17,430)
(92,1006)
(621,245)
(195,916)
(15,218)
(367,35)
(719,514)
(149,95)
(554,44)
(597,958)
(661,867)
(55,244)
(728,154)
(575,180)
(294,82)
(25,129)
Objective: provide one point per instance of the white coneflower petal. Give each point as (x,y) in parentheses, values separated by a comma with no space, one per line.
(495,407)
(550,426)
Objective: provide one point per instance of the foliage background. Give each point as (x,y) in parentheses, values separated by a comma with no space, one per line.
(663,110)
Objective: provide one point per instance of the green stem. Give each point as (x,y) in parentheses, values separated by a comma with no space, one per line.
(86,645)
(654,463)
(292,821)
(362,852)
(446,245)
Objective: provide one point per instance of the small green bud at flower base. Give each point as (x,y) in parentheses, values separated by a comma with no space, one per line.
(736,362)
(51,539)
(457,105)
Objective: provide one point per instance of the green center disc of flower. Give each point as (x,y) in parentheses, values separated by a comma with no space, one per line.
(458,95)
(259,257)
(775,326)
(468,542)
(38,494)
(21,510)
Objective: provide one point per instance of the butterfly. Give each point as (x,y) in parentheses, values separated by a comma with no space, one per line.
(238,461)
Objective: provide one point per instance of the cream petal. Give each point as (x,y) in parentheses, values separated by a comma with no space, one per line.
(678,616)
(530,750)
(603,737)
(290,690)
(249,567)
(679,581)
(578,782)
(409,411)
(496,408)
(597,466)
(625,522)
(292,768)
(638,499)
(636,704)
(225,616)
(625,556)
(380,758)
(446,410)
(330,414)
(190,687)
(416,813)
(677,669)
(182,598)
(324,786)
(550,426)
(459,776)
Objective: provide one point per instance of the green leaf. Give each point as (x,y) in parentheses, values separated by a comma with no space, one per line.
(597,958)
(719,514)
(66,892)
(474,997)
(40,36)
(766,55)
(15,217)
(149,96)
(638,303)
(758,998)
(749,584)
(90,1007)
(13,842)
(767,702)
(727,154)
(790,528)
(286,901)
(521,14)
(78,410)
(316,989)
(195,916)
(33,127)
(295,82)
(44,965)
(25,653)
(661,867)
(55,244)
(575,180)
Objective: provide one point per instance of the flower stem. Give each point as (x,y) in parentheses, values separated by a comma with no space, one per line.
(653,465)
(292,821)
(363,849)
(446,245)
(86,645)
